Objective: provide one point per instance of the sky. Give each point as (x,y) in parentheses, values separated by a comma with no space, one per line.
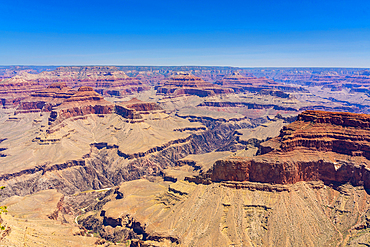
(258,33)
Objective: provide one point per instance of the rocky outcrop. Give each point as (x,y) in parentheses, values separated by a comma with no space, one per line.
(84,101)
(326,146)
(344,133)
(134,108)
(63,103)
(126,112)
(184,83)
(141,106)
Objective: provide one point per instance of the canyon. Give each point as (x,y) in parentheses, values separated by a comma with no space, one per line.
(184,156)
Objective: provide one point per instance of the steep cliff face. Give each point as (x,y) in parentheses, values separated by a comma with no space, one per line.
(332,147)
(185,83)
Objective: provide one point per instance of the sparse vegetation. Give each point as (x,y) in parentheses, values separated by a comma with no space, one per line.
(3,209)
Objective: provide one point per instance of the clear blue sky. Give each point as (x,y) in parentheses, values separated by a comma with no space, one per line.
(226,33)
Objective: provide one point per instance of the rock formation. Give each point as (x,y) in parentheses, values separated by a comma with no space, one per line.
(45,100)
(326,146)
(185,83)
(133,108)
(358,82)
(63,102)
(240,83)
(85,101)
(13,90)
(105,80)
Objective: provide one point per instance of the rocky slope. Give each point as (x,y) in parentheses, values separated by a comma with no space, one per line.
(231,213)
(308,186)
(43,219)
(63,103)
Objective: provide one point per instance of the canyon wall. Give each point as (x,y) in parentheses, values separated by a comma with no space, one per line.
(326,146)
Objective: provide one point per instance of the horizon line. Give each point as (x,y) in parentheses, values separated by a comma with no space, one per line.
(220,66)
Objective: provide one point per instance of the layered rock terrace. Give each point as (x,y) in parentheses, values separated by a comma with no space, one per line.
(327,146)
(185,83)
(107,81)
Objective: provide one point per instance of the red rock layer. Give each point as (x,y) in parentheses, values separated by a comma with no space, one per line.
(327,146)
(344,133)
(240,83)
(150,78)
(133,108)
(84,101)
(13,90)
(63,103)
(45,100)
(185,83)
(334,81)
(105,80)
(139,105)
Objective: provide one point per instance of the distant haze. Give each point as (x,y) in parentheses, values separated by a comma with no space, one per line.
(282,33)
